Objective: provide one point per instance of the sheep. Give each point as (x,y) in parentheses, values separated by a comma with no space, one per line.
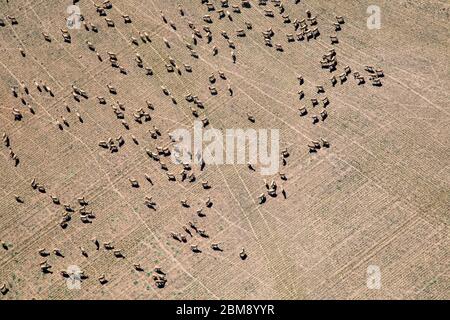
(192,225)
(45,267)
(333,80)
(340,19)
(376,82)
(43,252)
(360,80)
(312,20)
(134,183)
(82,201)
(150,203)
(148,71)
(4,289)
(109,22)
(212,90)
(347,70)
(66,36)
(47,37)
(320,89)
(166,42)
(230,90)
(165,90)
(250,117)
(108,246)
(207,18)
(315,119)
(111,89)
(268,13)
(58,252)
(170,176)
(303,111)
(146,36)
(84,252)
(285,153)
(14,91)
(205,185)
(6,140)
(200,213)
(243,254)
(262,198)
(102,279)
(369,69)
(323,114)
(343,77)
(379,73)
(93,27)
(334,39)
(17,114)
(325,143)
(118,254)
(315,32)
(169,68)
(286,18)
(316,144)
(337,26)
(240,33)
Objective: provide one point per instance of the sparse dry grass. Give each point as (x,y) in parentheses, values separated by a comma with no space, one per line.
(379,195)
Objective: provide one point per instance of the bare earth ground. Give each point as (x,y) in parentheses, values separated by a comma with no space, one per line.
(380,195)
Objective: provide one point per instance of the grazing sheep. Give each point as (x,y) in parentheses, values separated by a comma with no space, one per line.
(334,39)
(243,254)
(4,289)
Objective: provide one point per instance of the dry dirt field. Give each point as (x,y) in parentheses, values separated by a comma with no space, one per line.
(377,197)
